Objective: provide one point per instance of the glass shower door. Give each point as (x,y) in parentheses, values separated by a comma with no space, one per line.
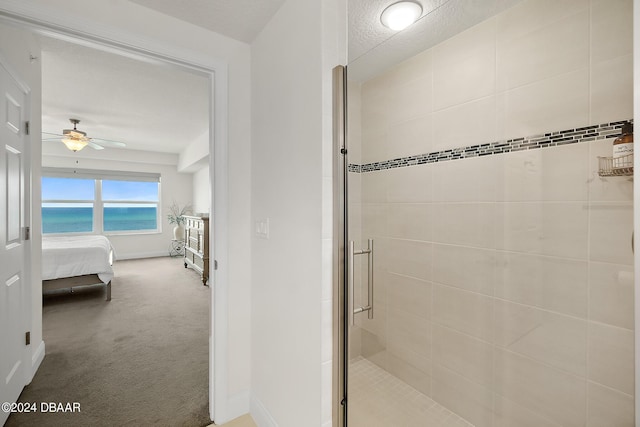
(502,266)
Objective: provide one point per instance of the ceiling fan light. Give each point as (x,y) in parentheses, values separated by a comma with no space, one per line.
(74,144)
(400,15)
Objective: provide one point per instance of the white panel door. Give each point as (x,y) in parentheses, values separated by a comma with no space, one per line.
(12,245)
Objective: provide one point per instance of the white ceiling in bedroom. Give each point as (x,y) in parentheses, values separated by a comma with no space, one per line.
(147,106)
(239,19)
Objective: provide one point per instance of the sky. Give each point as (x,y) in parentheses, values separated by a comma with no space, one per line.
(83,190)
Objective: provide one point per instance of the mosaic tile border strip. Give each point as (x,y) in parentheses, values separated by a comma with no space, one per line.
(550,139)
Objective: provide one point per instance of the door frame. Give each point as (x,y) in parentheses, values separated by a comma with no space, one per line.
(116,41)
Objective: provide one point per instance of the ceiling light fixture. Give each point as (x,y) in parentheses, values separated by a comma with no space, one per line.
(400,15)
(74,144)
(74,139)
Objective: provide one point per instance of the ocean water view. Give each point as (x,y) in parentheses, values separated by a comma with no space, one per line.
(80,219)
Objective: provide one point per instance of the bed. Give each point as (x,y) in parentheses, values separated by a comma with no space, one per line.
(73,261)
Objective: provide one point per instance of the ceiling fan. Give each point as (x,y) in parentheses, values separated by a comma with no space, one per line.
(75,140)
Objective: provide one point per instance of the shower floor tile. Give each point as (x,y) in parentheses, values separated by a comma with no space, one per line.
(378,399)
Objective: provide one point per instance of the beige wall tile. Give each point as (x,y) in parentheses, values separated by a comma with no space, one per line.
(611,357)
(463,354)
(375,103)
(548,51)
(374,187)
(374,145)
(411,184)
(476,179)
(471,401)
(473,269)
(411,137)
(611,90)
(611,291)
(608,408)
(551,228)
(611,29)
(354,114)
(551,393)
(461,125)
(417,67)
(374,221)
(410,258)
(551,283)
(408,333)
(413,296)
(464,67)
(532,15)
(552,104)
(410,221)
(543,175)
(458,223)
(510,414)
(553,339)
(611,225)
(463,311)
(410,100)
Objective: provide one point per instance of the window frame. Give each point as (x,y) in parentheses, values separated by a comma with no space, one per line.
(98,203)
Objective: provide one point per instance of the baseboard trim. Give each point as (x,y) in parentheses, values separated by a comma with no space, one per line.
(238,405)
(142,255)
(260,414)
(36,360)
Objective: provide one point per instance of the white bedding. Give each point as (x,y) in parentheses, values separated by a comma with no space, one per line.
(69,256)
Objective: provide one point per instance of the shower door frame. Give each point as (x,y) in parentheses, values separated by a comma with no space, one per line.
(340,244)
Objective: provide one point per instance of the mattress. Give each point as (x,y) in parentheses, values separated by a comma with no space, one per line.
(69,256)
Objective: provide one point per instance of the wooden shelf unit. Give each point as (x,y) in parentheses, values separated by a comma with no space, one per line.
(196,245)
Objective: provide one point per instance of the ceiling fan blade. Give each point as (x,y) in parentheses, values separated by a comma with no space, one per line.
(108,142)
(53,134)
(95,146)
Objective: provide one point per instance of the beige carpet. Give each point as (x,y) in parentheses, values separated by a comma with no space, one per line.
(139,360)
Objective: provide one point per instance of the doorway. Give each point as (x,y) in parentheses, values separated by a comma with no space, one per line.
(216,72)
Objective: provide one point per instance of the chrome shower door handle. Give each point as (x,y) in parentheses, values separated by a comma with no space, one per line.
(369,306)
(370,278)
(352,303)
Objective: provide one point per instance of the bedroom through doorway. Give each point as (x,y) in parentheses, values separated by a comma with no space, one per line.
(159,309)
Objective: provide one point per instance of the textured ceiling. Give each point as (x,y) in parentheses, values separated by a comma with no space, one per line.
(239,19)
(374,48)
(365,29)
(148,107)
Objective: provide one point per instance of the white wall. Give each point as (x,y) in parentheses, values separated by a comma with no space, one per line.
(16,46)
(121,20)
(174,186)
(201,190)
(195,155)
(291,188)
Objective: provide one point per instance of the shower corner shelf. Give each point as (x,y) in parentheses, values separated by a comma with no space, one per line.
(621,166)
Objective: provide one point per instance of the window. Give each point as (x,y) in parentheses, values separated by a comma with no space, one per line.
(67,205)
(99,202)
(130,205)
